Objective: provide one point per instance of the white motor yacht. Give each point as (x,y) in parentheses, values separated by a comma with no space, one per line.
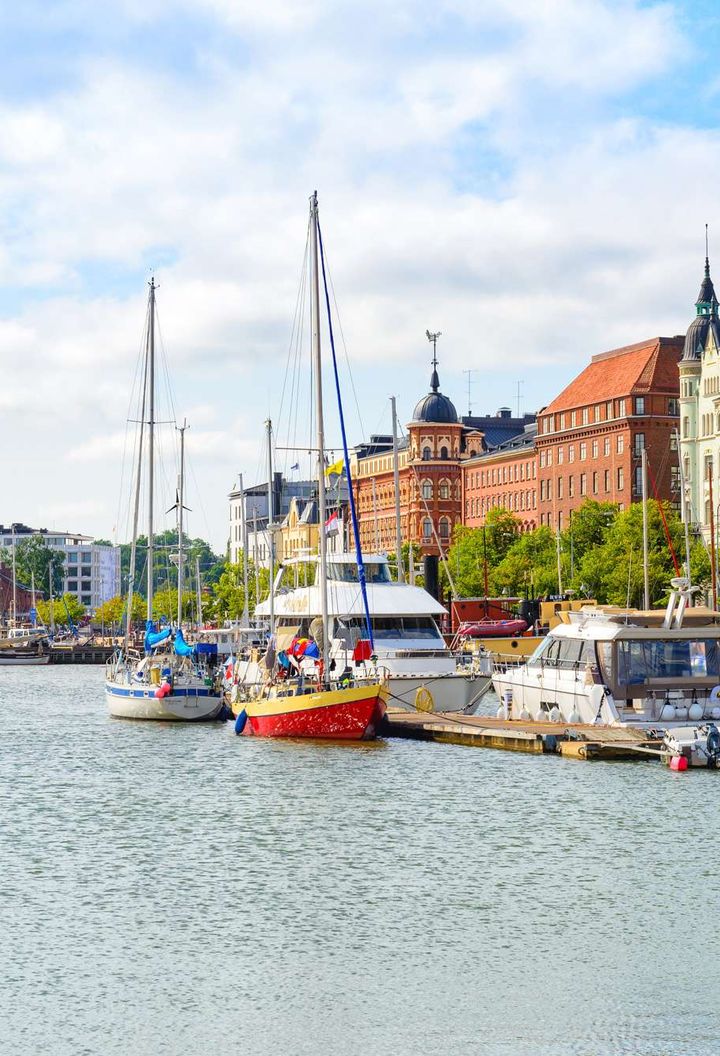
(408,647)
(647,669)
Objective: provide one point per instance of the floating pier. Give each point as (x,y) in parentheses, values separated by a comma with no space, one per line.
(81,654)
(580,741)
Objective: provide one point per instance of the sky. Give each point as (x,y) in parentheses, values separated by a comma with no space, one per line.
(532,180)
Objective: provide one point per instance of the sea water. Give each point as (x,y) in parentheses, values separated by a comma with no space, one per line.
(171,889)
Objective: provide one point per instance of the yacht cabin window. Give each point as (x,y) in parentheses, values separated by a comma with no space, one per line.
(643,661)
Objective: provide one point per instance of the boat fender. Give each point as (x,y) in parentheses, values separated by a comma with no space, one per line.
(678,762)
(715,695)
(574,716)
(524,715)
(695,711)
(555,714)
(240,722)
(163,691)
(713,740)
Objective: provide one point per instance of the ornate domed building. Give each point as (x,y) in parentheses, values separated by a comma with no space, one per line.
(700,408)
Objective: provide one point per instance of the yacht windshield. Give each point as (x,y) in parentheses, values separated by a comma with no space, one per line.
(347,572)
(409,628)
(642,661)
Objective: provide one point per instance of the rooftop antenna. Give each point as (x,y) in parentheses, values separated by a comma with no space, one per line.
(519,392)
(469,382)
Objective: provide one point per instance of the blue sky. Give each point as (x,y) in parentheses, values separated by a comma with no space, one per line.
(531,179)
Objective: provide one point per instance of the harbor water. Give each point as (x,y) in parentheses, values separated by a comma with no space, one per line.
(170,890)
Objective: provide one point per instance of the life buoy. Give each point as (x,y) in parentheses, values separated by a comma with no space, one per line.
(424,699)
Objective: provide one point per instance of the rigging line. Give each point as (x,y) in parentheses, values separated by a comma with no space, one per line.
(353,512)
(294,323)
(664,521)
(133,400)
(347,358)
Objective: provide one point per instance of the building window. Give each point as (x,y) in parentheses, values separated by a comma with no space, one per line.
(606,446)
(72,557)
(583,483)
(72,584)
(595,485)
(673,406)
(426,454)
(639,405)
(571,453)
(583,451)
(573,419)
(444,490)
(620,479)
(444,528)
(586,416)
(594,449)
(559,487)
(571,487)
(561,455)
(622,408)
(86,599)
(608,410)
(708,466)
(542,459)
(427,529)
(607,480)
(639,441)
(620,444)
(427,489)
(444,454)
(637,481)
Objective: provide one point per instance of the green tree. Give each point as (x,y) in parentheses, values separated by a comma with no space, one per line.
(472,547)
(227,600)
(64,609)
(529,566)
(113,611)
(33,557)
(164,569)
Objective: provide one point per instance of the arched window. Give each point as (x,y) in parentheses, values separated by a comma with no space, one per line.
(444,454)
(427,489)
(426,454)
(444,489)
(427,530)
(444,528)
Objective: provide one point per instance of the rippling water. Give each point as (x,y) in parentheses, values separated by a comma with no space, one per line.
(170,889)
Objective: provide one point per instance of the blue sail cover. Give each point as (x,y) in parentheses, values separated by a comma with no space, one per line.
(180,646)
(154,638)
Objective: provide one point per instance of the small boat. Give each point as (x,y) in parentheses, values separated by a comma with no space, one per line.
(22,656)
(492,629)
(172,681)
(320,707)
(692,746)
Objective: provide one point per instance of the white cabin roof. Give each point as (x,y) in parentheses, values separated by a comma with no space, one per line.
(345,599)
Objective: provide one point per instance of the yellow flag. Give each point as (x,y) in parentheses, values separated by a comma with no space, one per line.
(336,468)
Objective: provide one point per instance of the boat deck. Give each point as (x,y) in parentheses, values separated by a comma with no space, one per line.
(481,731)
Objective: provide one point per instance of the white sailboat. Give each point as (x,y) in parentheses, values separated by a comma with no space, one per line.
(169,682)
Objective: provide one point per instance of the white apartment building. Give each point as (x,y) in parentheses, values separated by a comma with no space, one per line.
(92,570)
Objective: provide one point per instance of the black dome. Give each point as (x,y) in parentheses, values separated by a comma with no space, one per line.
(697,335)
(435,408)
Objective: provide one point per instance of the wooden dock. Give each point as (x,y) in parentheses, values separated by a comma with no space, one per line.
(584,742)
(81,654)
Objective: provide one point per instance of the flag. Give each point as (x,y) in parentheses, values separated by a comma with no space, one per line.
(336,468)
(296,466)
(332,524)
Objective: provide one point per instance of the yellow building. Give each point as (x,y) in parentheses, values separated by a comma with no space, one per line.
(299,533)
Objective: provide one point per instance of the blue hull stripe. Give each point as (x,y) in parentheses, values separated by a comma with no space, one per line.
(149,694)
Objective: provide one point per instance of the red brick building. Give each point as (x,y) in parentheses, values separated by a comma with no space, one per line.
(23,595)
(590,437)
(505,476)
(431,458)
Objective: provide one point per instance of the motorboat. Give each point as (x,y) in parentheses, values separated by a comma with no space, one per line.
(653,669)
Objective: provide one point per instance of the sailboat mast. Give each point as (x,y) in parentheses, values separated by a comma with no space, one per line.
(136,509)
(181,499)
(317,358)
(396,482)
(14,579)
(52,602)
(646,570)
(245,619)
(271,538)
(151,448)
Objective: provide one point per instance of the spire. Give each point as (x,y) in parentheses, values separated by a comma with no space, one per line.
(434,379)
(707,303)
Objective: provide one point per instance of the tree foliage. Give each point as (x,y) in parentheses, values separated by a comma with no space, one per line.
(34,558)
(64,609)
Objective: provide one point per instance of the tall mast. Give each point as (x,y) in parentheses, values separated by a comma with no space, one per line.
(317,358)
(151,448)
(52,602)
(255,558)
(396,480)
(245,618)
(14,579)
(136,509)
(271,538)
(181,498)
(32,596)
(199,591)
(683,504)
(646,570)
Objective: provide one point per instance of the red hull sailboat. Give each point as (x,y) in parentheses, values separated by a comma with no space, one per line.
(347,714)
